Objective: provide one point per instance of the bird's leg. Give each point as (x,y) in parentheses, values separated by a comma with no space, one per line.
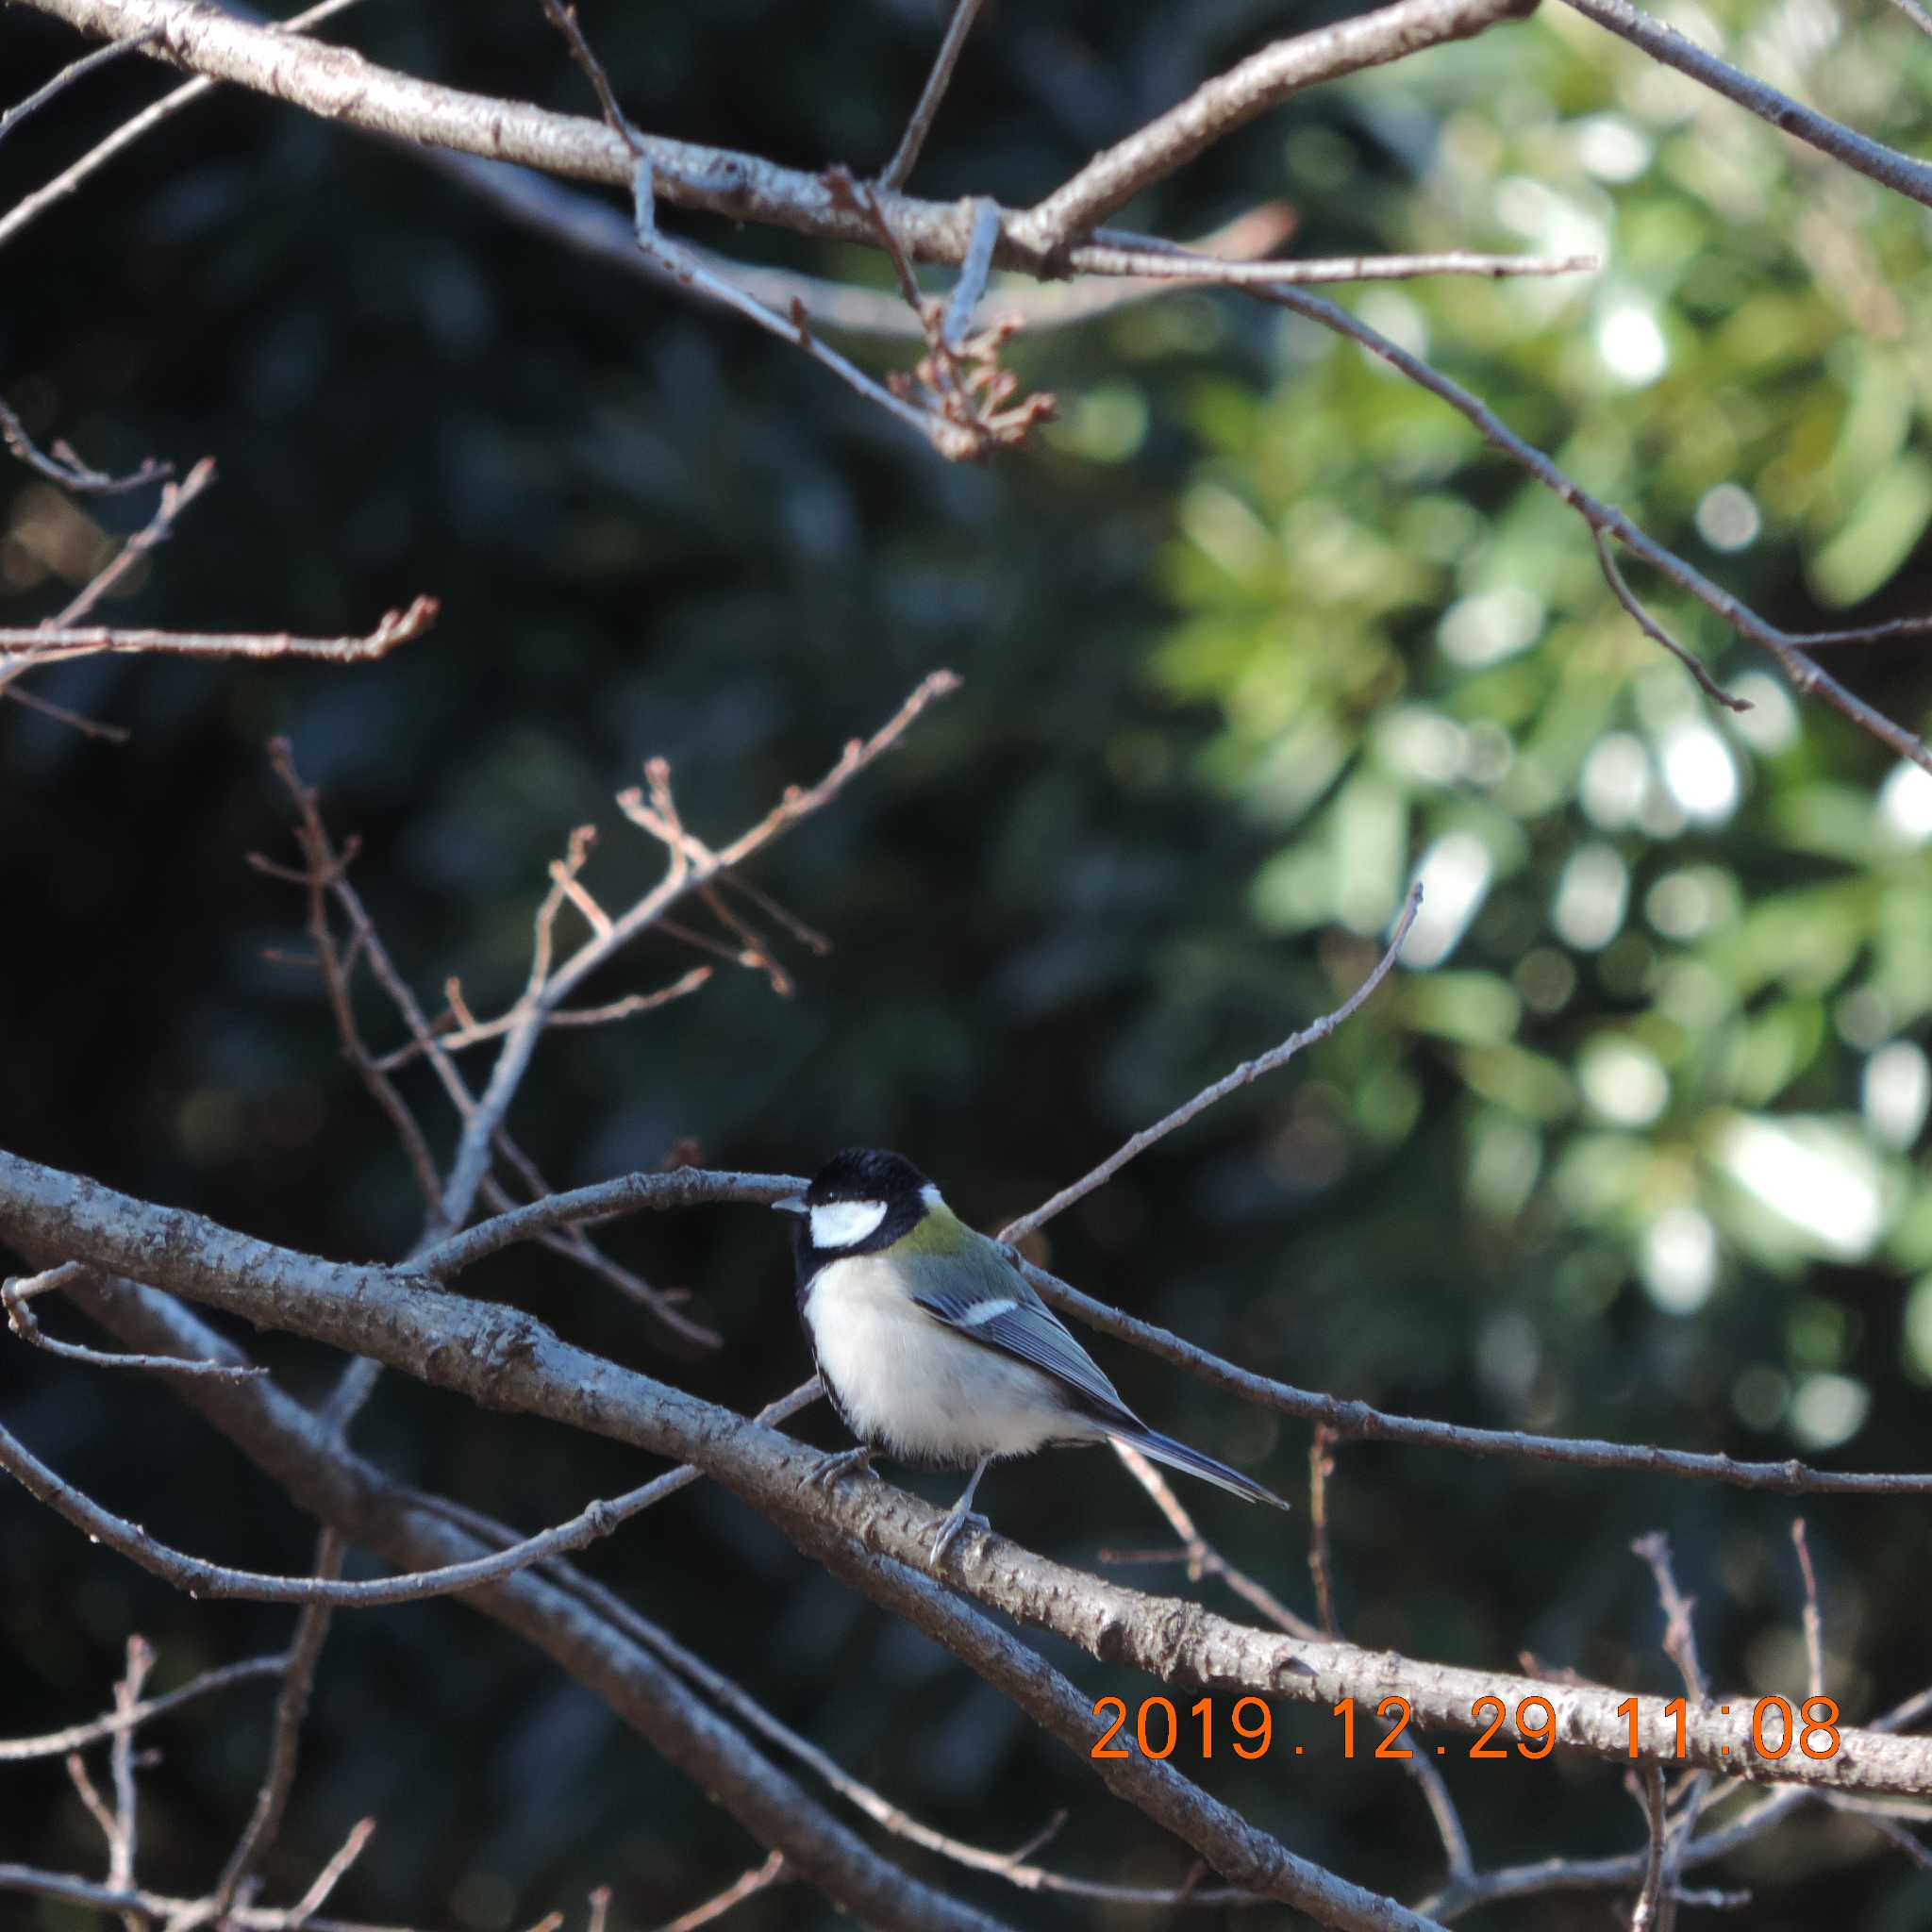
(832,1468)
(959,1516)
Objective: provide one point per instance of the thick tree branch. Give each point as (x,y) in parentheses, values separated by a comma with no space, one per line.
(504,1358)
(1354,1421)
(325,1479)
(341,84)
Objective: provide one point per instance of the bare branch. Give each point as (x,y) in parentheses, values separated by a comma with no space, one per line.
(29,208)
(1805,675)
(1653,629)
(1349,1420)
(905,155)
(175,497)
(1230,100)
(1320,1567)
(1680,1635)
(50,644)
(333,1484)
(322,1589)
(121,1840)
(341,86)
(473,1153)
(753,1882)
(1248,1071)
(505,1358)
(158,1908)
(291,1710)
(330,1876)
(1916,14)
(64,466)
(1565,1874)
(679,263)
(1814,1622)
(324,875)
(1111,253)
(75,1737)
(1884,164)
(974,271)
(1200,1555)
(22,1320)
(60,82)
(1643,1915)
(455,1039)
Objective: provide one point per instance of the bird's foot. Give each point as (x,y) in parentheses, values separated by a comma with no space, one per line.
(833,1469)
(957,1519)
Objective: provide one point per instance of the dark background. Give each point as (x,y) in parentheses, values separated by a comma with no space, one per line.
(655,531)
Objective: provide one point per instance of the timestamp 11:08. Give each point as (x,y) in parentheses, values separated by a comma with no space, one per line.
(1157,1727)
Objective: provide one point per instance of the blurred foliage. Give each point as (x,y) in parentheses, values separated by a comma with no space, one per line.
(1255,634)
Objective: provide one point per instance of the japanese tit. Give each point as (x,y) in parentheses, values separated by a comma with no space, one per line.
(934,1348)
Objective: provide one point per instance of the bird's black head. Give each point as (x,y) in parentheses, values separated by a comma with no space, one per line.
(861,1200)
(865,1173)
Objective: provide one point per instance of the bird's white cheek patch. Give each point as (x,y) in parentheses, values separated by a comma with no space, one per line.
(841,1224)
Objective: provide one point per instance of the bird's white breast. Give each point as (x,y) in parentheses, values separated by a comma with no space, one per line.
(905,1380)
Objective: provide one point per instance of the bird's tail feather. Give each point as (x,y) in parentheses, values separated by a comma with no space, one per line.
(1178,1455)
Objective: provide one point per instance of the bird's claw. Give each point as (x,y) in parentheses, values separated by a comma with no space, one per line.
(948,1531)
(832,1468)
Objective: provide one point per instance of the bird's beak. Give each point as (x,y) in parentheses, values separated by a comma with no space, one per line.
(793,1204)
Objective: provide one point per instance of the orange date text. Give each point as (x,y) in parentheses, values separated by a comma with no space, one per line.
(1247,1728)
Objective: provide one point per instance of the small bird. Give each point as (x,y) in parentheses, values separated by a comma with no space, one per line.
(934,1348)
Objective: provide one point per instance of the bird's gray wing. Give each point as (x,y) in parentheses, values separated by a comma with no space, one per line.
(1020,1324)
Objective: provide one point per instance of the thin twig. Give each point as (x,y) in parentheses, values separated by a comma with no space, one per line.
(1814,1621)
(52,644)
(64,80)
(1916,14)
(141,1660)
(1219,1090)
(292,1709)
(331,1874)
(23,1322)
(1320,1467)
(753,1882)
(1785,647)
(906,155)
(325,874)
(1902,173)
(158,1908)
(1643,1915)
(467,1171)
(974,271)
(31,206)
(1200,1555)
(1011,1866)
(1654,630)
(1628,1868)
(175,497)
(64,466)
(1680,1634)
(201,1578)
(1112,253)
(75,1737)
(457,1038)
(683,266)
